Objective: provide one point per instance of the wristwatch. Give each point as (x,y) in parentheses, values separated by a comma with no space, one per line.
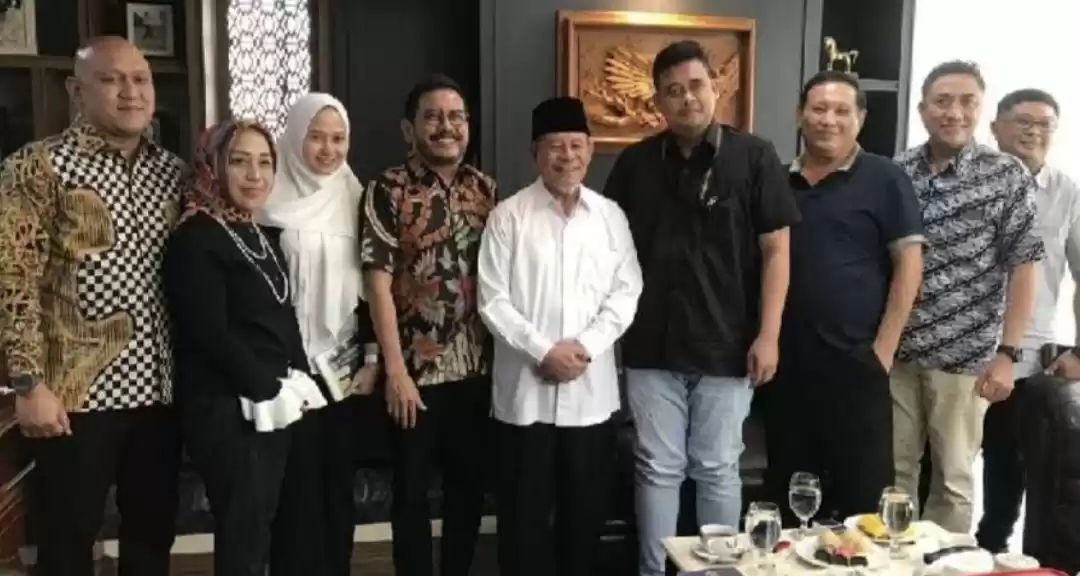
(23,384)
(1010,352)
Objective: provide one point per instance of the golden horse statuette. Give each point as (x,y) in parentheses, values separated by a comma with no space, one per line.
(834,55)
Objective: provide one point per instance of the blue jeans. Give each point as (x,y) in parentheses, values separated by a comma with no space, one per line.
(686,425)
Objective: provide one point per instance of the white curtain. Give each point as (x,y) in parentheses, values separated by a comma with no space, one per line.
(1032,47)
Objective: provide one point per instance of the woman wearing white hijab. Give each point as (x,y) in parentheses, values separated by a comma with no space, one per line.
(315,202)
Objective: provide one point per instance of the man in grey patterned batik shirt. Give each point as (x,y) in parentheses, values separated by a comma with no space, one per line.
(958,350)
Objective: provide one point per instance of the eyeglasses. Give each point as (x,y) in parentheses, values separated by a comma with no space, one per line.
(455,117)
(1030,124)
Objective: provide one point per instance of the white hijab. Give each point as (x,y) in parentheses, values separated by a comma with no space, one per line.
(319,216)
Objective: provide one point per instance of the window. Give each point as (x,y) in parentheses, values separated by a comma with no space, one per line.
(1015,49)
(269,55)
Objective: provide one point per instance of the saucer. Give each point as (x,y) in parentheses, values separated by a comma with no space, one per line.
(699,550)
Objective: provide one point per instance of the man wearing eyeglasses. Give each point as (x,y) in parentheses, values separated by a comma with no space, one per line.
(962,342)
(420,250)
(1024,127)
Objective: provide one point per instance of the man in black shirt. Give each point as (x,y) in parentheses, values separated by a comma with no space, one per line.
(709,210)
(856,267)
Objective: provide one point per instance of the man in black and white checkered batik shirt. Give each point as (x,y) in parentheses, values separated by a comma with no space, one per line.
(963,337)
(84,216)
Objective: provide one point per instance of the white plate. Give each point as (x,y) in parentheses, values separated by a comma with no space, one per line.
(852,523)
(876,558)
(698,549)
(963,563)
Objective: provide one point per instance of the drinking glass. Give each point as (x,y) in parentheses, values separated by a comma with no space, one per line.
(897,510)
(804,498)
(763,526)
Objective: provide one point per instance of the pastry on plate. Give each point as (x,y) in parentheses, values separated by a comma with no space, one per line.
(872,526)
(844,548)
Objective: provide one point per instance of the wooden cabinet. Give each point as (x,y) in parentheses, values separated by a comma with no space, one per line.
(33,98)
(15,468)
(881,32)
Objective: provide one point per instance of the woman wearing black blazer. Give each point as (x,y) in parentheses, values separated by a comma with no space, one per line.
(241,370)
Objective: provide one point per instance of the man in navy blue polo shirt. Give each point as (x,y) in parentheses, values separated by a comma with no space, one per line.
(856,267)
(709,209)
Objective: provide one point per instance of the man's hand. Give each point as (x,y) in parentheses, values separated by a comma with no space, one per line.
(1067,366)
(41,414)
(762,360)
(996,382)
(885,355)
(566,360)
(402,398)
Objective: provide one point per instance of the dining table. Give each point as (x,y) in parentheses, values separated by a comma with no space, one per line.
(787,562)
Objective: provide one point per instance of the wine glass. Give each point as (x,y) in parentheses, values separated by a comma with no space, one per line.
(763,526)
(897,510)
(804,498)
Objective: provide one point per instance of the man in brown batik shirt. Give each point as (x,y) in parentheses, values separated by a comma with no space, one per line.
(84,216)
(422,226)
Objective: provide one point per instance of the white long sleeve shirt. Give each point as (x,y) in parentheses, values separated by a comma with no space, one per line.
(545,277)
(1057,202)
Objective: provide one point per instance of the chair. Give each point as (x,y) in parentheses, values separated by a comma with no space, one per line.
(1050,448)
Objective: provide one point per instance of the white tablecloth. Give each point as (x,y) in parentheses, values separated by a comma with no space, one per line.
(788,563)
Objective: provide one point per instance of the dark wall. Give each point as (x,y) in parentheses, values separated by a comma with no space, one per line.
(518,70)
(380,49)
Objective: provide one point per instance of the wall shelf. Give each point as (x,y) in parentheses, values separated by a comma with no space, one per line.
(875,85)
(881,32)
(27,62)
(33,97)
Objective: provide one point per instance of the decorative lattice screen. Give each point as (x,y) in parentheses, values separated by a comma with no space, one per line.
(269,58)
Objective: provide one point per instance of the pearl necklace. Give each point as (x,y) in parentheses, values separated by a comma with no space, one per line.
(251,256)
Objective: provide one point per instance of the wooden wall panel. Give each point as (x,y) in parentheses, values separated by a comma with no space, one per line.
(15,468)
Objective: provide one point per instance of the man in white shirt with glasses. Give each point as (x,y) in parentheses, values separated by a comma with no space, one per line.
(1024,127)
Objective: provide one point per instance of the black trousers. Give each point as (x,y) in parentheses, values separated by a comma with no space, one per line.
(298,532)
(138,450)
(313,529)
(830,413)
(243,472)
(313,533)
(548,472)
(1003,471)
(342,432)
(451,436)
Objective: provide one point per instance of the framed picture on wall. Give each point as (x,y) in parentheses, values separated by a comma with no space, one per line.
(18,28)
(151,28)
(605,59)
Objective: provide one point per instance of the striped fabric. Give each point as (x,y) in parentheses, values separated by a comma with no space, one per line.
(979,217)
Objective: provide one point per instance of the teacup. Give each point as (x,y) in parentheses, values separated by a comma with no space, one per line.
(721,541)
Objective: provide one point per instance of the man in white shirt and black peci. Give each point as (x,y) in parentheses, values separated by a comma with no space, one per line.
(559,283)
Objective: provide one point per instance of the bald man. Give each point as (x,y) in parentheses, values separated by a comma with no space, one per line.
(83,220)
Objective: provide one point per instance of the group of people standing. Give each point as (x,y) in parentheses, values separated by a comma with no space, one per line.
(146,305)
(923,292)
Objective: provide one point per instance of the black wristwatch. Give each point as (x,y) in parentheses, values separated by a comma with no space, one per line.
(23,384)
(1010,352)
